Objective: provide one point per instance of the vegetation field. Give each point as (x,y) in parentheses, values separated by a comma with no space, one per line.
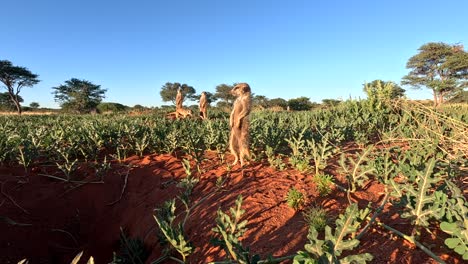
(364,181)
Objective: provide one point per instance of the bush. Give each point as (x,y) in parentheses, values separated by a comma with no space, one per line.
(111,107)
(295,199)
(315,217)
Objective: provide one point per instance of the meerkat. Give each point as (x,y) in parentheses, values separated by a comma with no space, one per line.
(179,99)
(179,112)
(203,106)
(239,123)
(183,112)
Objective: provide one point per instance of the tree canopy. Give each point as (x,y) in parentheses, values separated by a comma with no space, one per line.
(441,67)
(382,90)
(223,93)
(278,102)
(300,104)
(169,92)
(111,107)
(210,98)
(461,97)
(14,78)
(260,101)
(6,104)
(78,95)
(330,102)
(34,105)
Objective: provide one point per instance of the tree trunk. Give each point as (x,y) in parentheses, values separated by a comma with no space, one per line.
(434,92)
(15,100)
(441,97)
(18,106)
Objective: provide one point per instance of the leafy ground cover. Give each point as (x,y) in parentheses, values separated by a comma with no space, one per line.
(389,178)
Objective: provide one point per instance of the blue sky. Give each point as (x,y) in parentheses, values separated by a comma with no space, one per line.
(319,49)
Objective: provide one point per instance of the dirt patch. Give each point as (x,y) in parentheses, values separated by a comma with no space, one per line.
(49,221)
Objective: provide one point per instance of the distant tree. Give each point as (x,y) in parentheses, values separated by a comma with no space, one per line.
(461,97)
(300,104)
(111,107)
(14,78)
(260,100)
(78,95)
(6,104)
(441,67)
(138,107)
(278,102)
(378,87)
(169,91)
(210,98)
(223,93)
(34,105)
(330,102)
(223,105)
(381,90)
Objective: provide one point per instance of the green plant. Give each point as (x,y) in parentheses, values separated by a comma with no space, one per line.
(275,161)
(221,153)
(132,250)
(359,170)
(101,168)
(196,147)
(141,144)
(421,200)
(298,157)
(75,260)
(336,241)
(295,199)
(25,154)
(384,167)
(323,182)
(68,166)
(174,233)
(230,228)
(187,183)
(315,217)
(456,224)
(320,152)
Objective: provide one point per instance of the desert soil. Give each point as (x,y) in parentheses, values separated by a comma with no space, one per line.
(50,221)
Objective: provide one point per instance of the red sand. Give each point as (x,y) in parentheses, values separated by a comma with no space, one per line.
(60,219)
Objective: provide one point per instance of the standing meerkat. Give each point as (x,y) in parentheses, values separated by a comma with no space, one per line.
(239,123)
(203,106)
(179,99)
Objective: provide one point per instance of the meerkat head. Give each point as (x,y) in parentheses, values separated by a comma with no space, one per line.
(240,89)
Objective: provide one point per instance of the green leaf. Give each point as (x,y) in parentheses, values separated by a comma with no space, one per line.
(460,249)
(448,228)
(452,242)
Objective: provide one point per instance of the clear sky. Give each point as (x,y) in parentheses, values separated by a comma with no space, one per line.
(319,49)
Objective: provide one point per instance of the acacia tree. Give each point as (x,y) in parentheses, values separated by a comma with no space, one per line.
(382,90)
(330,102)
(14,78)
(169,92)
(223,93)
(278,102)
(441,67)
(6,103)
(209,97)
(260,100)
(300,104)
(34,105)
(78,95)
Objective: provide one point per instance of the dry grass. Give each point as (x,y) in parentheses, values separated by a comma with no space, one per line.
(28,113)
